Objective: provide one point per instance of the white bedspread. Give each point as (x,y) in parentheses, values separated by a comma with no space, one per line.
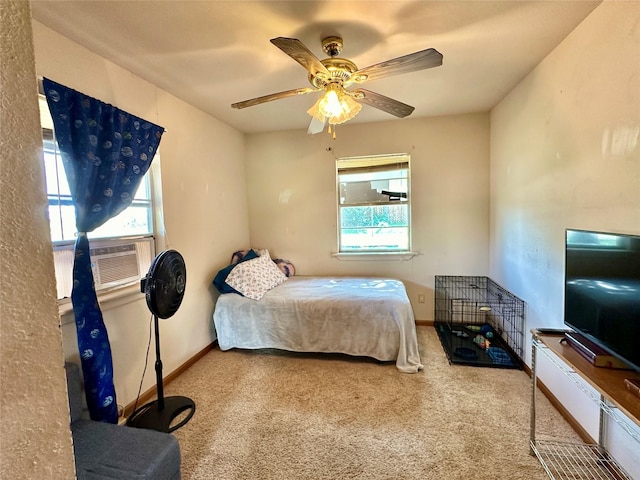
(357,316)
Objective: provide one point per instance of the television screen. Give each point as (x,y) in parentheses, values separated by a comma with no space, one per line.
(602,291)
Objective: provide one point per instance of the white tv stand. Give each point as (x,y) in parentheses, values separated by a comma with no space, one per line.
(567,460)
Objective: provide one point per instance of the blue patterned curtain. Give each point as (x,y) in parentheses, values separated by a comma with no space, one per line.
(105,152)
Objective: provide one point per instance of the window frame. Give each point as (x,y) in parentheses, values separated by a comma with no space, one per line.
(373,161)
(57,199)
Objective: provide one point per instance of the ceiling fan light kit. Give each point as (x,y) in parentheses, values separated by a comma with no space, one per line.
(335,106)
(334,75)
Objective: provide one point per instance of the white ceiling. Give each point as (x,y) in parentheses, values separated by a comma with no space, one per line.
(214,53)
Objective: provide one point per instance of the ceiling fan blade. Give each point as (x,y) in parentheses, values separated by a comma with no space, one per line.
(316,126)
(386,104)
(301,54)
(274,96)
(409,63)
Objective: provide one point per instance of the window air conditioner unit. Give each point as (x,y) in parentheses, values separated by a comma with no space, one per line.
(114,262)
(114,265)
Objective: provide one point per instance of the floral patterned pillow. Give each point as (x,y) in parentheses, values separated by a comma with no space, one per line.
(254,278)
(221,277)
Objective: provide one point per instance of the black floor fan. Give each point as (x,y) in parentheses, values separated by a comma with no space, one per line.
(164,288)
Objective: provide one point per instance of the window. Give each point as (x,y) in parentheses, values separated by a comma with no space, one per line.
(121,250)
(137,219)
(374,204)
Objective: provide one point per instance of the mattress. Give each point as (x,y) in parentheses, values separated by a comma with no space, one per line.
(369,317)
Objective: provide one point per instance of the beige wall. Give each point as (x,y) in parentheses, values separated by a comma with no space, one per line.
(292,198)
(33,393)
(565,153)
(204,207)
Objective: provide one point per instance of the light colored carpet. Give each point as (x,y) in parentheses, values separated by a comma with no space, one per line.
(277,415)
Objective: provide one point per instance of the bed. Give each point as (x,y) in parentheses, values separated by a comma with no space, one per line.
(369,317)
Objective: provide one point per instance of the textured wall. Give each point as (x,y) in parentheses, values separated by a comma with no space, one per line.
(35,439)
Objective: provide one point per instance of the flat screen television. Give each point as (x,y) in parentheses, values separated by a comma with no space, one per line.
(602,291)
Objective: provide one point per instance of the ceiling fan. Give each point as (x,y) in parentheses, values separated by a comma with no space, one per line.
(334,76)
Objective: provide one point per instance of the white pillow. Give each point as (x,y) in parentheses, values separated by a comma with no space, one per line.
(253,278)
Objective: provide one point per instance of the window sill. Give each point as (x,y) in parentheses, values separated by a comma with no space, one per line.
(107,299)
(380,256)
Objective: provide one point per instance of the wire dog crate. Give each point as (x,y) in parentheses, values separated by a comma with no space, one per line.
(479,322)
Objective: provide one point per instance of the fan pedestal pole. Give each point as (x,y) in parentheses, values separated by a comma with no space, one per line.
(159,414)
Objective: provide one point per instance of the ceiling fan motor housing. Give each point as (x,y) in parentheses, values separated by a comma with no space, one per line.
(340,69)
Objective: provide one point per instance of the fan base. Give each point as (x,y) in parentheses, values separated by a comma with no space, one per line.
(152,417)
